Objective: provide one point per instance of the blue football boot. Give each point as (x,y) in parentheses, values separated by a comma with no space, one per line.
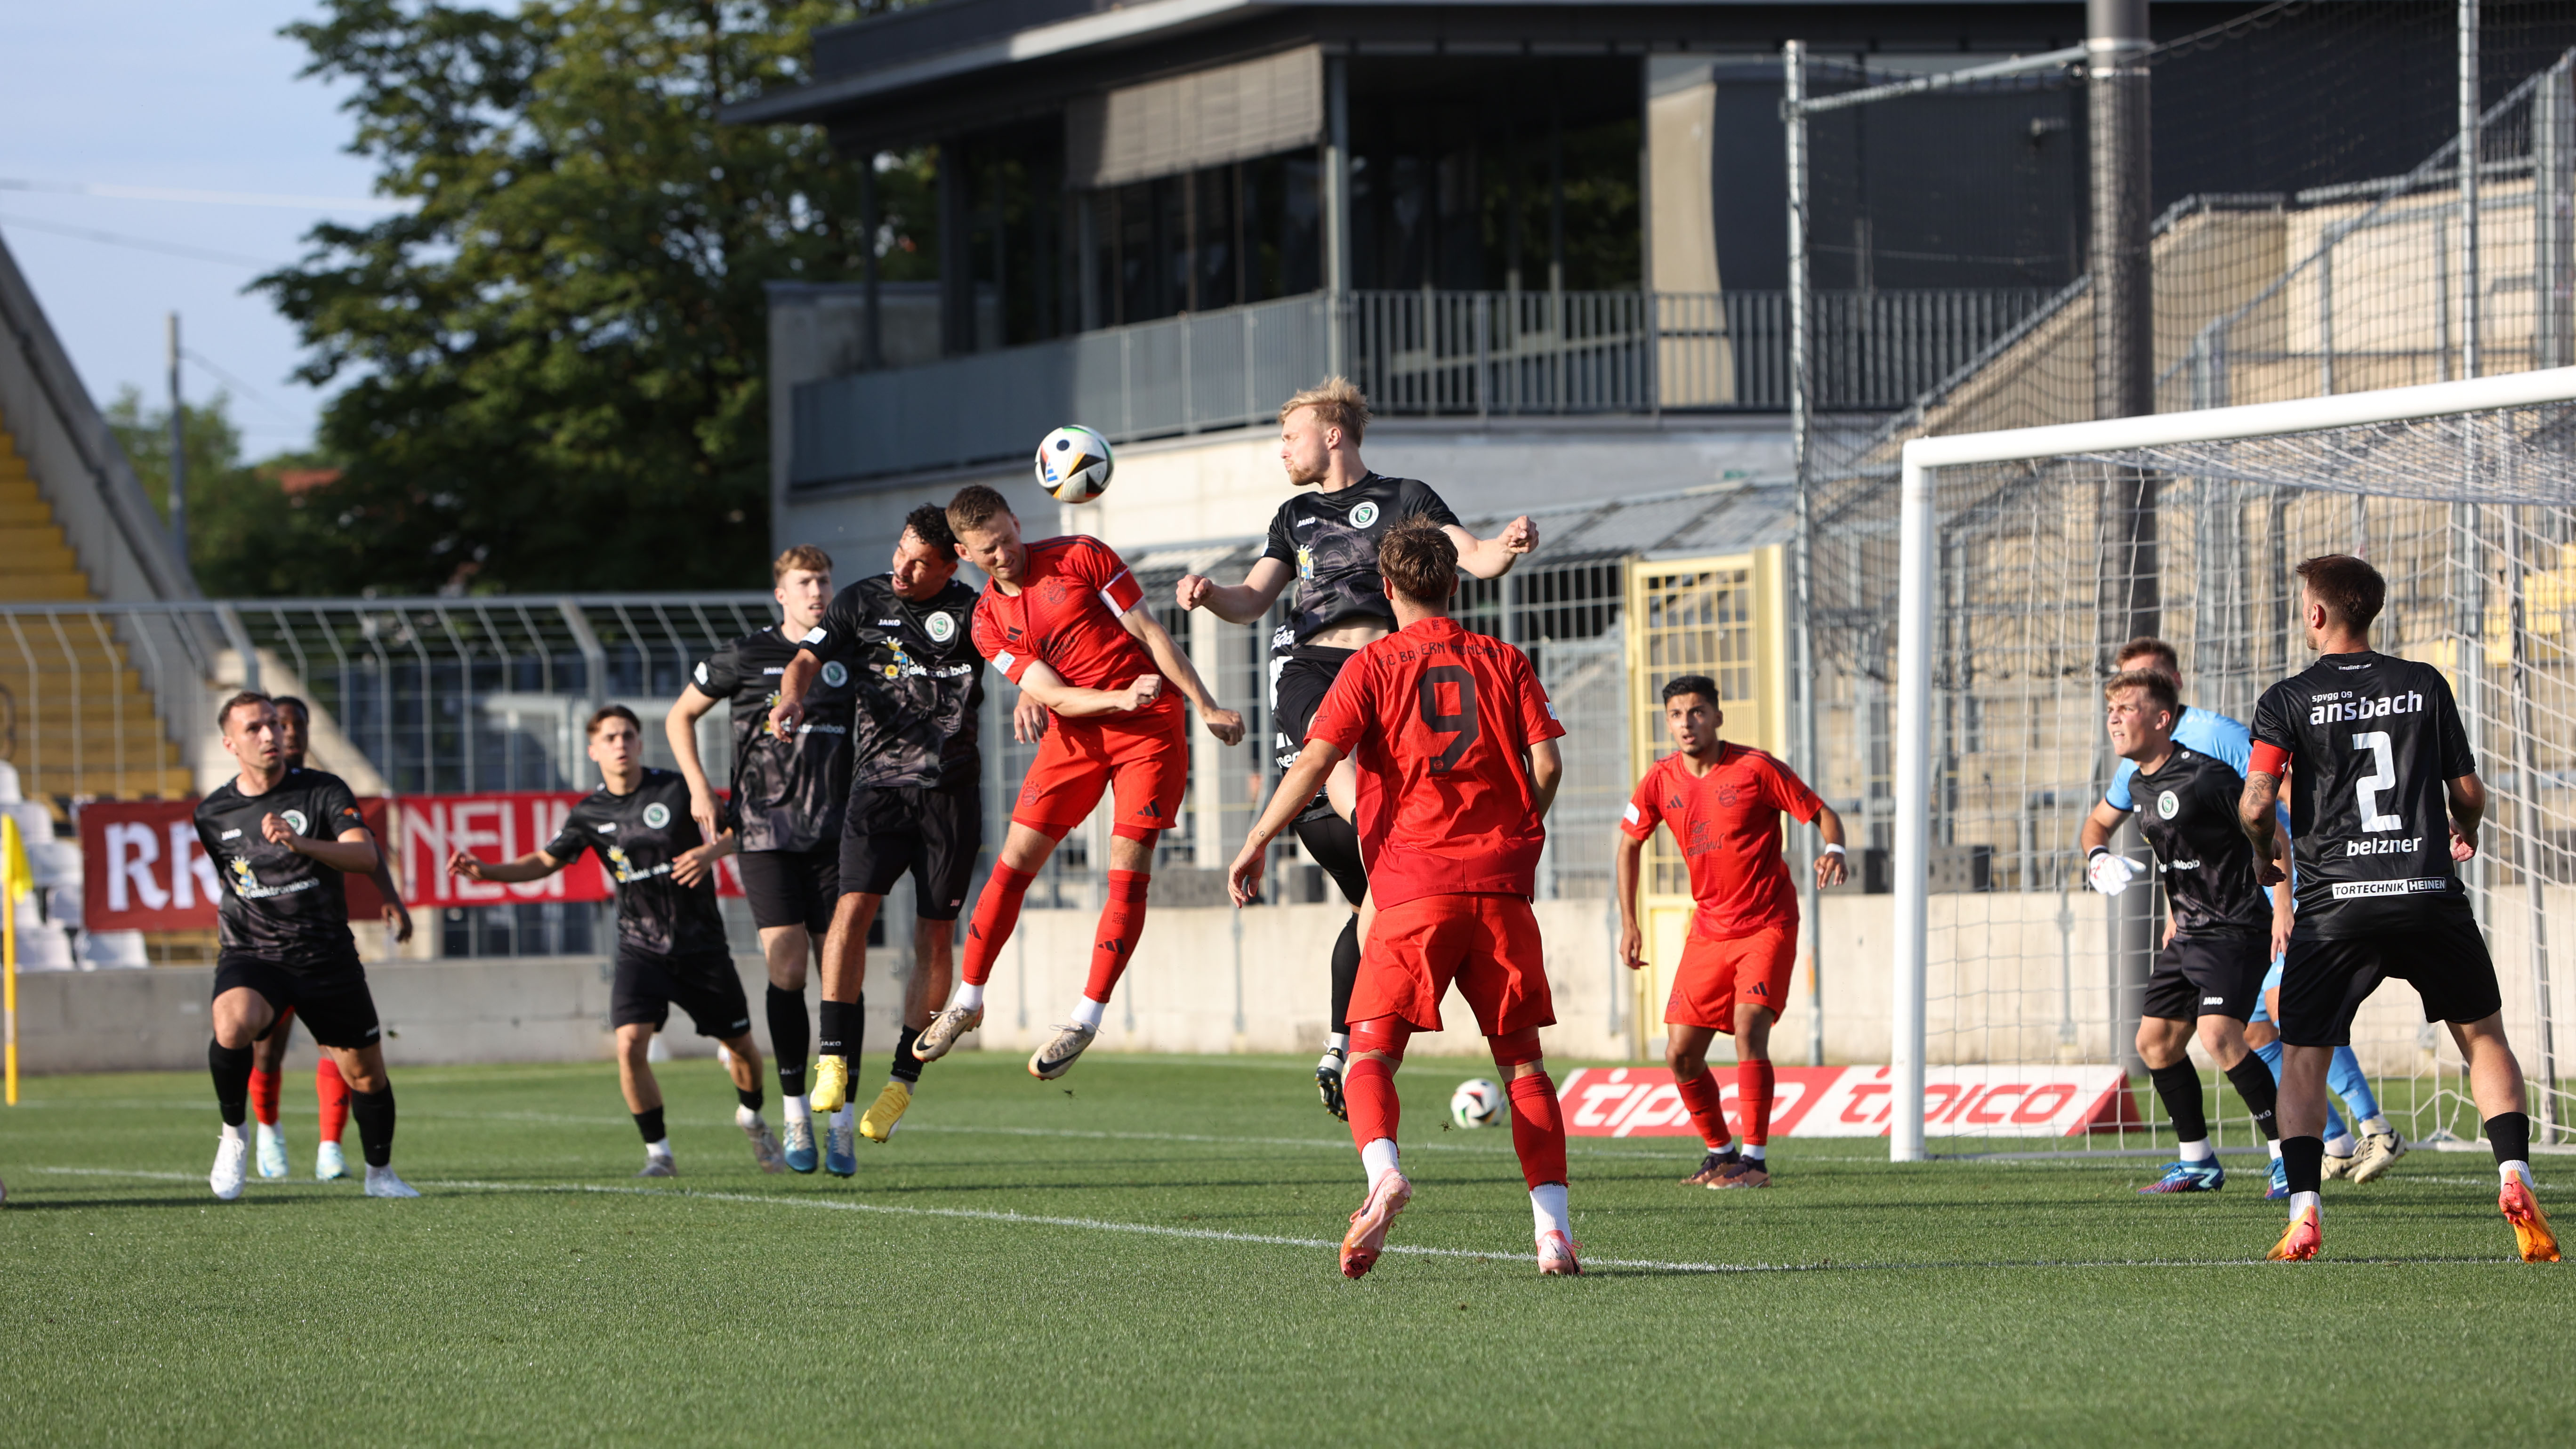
(2202,1176)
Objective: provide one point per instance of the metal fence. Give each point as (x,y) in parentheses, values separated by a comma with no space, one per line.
(1414,353)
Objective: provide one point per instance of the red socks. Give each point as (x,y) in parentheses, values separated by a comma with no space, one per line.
(1753,1101)
(996,912)
(333,1094)
(1368,1091)
(264,1087)
(1700,1095)
(1538,1129)
(1122,920)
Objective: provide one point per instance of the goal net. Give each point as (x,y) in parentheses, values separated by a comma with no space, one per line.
(2021,559)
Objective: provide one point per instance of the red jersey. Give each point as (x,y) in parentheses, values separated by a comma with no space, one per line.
(1727,823)
(1066,615)
(1439,721)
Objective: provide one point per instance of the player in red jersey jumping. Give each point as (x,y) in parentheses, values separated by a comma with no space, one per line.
(1455,747)
(1065,621)
(1723,803)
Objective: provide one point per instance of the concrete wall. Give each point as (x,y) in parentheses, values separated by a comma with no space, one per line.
(1209,979)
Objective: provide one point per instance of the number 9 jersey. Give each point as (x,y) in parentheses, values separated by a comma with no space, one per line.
(2371,744)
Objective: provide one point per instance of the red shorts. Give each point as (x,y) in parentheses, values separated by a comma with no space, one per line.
(1144,763)
(1488,944)
(1717,976)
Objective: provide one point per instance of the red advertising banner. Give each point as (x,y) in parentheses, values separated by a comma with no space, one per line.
(1974,1101)
(143,870)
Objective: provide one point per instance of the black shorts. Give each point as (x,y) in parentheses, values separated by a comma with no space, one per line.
(792,887)
(2324,982)
(703,985)
(932,833)
(2215,975)
(331,996)
(1300,677)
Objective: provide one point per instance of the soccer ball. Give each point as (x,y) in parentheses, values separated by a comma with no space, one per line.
(1074,464)
(1476,1103)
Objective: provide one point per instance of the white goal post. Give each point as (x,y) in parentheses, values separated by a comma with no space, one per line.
(2444,469)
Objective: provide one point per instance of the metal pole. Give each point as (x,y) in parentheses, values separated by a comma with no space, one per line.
(872,340)
(1913,813)
(1793,57)
(1337,213)
(2527,824)
(178,453)
(2468,188)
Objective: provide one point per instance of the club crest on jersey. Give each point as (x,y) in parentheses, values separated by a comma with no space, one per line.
(2167,804)
(941,627)
(836,674)
(656,815)
(295,820)
(1364,515)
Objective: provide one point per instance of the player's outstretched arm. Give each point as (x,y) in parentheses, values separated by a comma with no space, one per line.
(1223,723)
(354,851)
(2468,798)
(1491,558)
(788,714)
(535,865)
(1632,941)
(680,726)
(1244,603)
(1304,778)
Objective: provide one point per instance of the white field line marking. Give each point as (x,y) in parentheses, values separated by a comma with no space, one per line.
(1105,1225)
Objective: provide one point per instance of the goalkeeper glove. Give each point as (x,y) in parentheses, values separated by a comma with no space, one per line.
(2110,874)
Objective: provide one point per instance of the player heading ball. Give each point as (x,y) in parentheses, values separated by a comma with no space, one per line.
(1456,747)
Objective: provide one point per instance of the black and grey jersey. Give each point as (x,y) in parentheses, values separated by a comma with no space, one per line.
(2187,810)
(917,683)
(1331,540)
(787,795)
(2372,744)
(637,836)
(278,905)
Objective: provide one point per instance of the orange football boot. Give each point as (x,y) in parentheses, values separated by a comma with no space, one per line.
(2531,1231)
(2300,1242)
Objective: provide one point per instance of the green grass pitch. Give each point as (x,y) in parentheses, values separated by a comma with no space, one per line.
(1144,1259)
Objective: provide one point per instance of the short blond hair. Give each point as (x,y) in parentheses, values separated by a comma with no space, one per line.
(975,506)
(1338,403)
(803,556)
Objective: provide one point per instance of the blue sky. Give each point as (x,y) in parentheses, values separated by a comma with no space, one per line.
(158,94)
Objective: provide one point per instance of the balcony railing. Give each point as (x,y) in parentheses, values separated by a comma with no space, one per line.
(1415,353)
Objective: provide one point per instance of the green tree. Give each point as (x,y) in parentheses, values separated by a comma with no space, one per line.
(250,534)
(554,365)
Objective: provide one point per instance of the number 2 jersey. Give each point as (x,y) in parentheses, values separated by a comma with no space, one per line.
(2371,744)
(787,795)
(1439,722)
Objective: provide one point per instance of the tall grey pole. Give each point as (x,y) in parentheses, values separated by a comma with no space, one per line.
(2469,188)
(872,336)
(178,453)
(1793,112)
(2124,386)
(1337,213)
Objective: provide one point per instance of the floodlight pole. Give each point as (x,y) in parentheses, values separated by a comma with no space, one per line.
(178,453)
(1793,110)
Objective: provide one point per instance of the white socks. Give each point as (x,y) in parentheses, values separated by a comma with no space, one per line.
(1087,1012)
(841,1119)
(276,1134)
(1339,1041)
(2508,1171)
(797,1109)
(2339,1145)
(745,1118)
(1751,1154)
(1380,1159)
(1547,1210)
(2307,1202)
(2374,1124)
(2197,1150)
(2275,1145)
(236,1134)
(658,1151)
(968,997)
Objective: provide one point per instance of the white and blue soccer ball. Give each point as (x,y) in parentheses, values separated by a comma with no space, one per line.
(1476,1103)
(1074,464)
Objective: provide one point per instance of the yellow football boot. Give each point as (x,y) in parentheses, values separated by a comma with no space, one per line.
(877,1124)
(831,1085)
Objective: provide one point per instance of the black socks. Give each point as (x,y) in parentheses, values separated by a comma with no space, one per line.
(2253,1082)
(2303,1162)
(907,1067)
(842,1021)
(2510,1133)
(2179,1087)
(649,1122)
(230,1067)
(1346,972)
(750,1096)
(374,1112)
(790,1038)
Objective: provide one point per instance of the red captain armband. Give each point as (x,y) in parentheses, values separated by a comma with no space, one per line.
(2267,759)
